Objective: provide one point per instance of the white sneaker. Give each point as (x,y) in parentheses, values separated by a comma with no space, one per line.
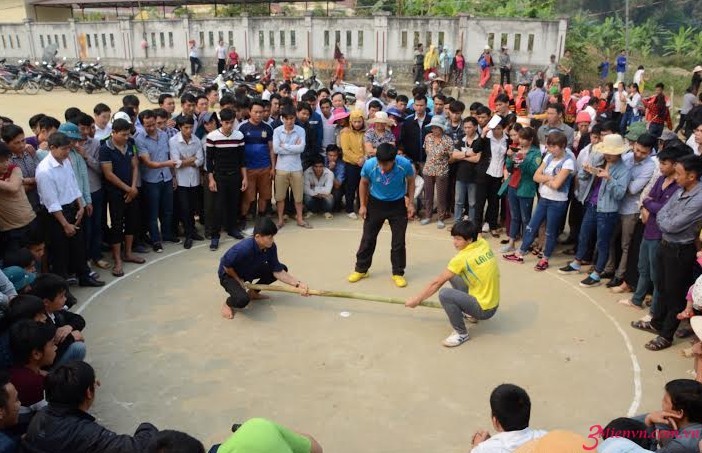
(352,216)
(425,221)
(309,214)
(465,217)
(328,215)
(647,318)
(486,228)
(440,224)
(455,339)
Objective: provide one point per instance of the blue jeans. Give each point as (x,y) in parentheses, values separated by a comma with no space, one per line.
(75,352)
(647,273)
(93,225)
(601,223)
(465,192)
(553,212)
(519,211)
(159,197)
(318,205)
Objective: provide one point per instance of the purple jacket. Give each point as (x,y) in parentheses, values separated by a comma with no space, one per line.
(656,199)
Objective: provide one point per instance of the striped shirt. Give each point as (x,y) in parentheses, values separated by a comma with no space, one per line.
(225,153)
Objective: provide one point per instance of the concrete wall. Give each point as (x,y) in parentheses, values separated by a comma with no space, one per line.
(364,40)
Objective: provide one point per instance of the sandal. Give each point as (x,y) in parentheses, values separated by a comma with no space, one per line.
(643,325)
(305,225)
(117,273)
(134,259)
(684,332)
(514,258)
(658,344)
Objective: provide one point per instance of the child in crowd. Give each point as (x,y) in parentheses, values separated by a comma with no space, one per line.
(52,290)
(33,350)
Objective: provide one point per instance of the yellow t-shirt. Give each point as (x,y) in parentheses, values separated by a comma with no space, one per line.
(477,266)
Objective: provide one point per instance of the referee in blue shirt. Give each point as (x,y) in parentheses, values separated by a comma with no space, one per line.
(385,179)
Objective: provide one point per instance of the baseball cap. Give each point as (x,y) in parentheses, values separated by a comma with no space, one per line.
(19,277)
(122,116)
(71,131)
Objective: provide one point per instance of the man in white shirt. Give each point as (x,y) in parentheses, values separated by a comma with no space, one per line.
(319,182)
(186,150)
(103,127)
(60,195)
(221,51)
(511,410)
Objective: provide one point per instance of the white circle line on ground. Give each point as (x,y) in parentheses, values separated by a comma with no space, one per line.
(636,368)
(141,267)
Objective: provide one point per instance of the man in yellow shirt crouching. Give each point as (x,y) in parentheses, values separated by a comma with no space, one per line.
(475,282)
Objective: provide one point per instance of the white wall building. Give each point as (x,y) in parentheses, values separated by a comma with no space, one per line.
(378,39)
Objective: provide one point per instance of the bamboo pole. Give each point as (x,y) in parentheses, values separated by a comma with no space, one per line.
(339,294)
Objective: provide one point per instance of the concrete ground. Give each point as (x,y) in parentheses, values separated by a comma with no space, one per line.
(376,380)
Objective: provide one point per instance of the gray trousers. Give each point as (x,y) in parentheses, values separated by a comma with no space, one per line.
(456,301)
(625,226)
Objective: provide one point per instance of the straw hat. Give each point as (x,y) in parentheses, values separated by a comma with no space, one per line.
(525,121)
(339,114)
(697,68)
(380,117)
(611,144)
(437,121)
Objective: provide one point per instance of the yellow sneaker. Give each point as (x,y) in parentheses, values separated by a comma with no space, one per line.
(399,280)
(357,276)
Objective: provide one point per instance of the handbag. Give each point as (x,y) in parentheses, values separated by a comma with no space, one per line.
(503,188)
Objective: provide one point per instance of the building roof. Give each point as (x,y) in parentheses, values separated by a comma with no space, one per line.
(129,4)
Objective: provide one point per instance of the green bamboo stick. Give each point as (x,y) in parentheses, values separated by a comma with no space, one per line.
(340,294)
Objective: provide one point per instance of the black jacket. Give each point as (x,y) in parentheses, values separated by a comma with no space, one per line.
(59,429)
(412,138)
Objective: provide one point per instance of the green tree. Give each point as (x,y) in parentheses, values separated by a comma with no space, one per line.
(679,43)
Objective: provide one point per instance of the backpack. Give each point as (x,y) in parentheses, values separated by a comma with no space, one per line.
(565,187)
(482,62)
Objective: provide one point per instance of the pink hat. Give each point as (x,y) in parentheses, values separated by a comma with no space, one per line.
(583,117)
(338,114)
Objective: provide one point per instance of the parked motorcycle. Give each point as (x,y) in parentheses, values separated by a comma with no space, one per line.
(117,83)
(22,82)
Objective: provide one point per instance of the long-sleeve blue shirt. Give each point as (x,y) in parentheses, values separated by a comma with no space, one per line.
(288,146)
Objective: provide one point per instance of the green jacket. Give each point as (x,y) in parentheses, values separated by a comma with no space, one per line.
(527,186)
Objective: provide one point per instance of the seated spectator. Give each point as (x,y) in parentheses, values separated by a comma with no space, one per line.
(170,441)
(52,289)
(65,425)
(319,182)
(33,350)
(511,409)
(22,258)
(261,435)
(23,307)
(9,414)
(679,422)
(7,290)
(624,435)
(337,166)
(21,280)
